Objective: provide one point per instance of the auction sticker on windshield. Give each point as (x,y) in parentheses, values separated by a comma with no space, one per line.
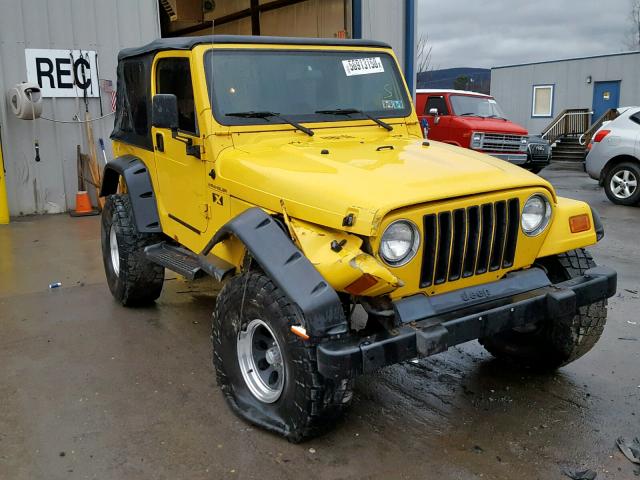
(362,66)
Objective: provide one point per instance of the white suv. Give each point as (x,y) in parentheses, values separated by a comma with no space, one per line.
(614,157)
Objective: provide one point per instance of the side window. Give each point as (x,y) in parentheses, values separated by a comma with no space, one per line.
(137,115)
(437,103)
(173,75)
(635,118)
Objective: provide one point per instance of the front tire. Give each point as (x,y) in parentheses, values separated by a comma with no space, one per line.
(622,184)
(554,343)
(267,374)
(133,280)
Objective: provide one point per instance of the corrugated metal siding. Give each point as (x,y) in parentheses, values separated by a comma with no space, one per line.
(105,26)
(513,86)
(385,20)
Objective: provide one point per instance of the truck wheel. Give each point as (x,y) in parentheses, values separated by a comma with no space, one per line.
(133,280)
(554,343)
(267,374)
(622,184)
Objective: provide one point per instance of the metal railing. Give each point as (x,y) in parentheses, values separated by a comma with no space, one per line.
(572,121)
(610,114)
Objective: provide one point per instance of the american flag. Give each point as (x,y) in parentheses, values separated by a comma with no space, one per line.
(107,87)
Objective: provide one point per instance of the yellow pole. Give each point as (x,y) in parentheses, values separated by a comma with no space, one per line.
(4,203)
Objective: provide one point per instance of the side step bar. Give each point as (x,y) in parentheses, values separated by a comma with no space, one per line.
(187,263)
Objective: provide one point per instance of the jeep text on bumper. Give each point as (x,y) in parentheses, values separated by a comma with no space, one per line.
(429,325)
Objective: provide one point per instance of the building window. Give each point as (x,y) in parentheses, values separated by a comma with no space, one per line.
(542,101)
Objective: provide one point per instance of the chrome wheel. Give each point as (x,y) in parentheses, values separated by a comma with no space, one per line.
(623,184)
(260,360)
(115,254)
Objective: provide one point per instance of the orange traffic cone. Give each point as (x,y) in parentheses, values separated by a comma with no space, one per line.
(83,202)
(83,205)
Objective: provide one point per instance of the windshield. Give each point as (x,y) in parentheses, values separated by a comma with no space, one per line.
(298,84)
(476,106)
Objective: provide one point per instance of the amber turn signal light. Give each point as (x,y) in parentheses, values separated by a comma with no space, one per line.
(365,282)
(579,223)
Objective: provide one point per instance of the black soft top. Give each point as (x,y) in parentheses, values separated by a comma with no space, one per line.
(187,43)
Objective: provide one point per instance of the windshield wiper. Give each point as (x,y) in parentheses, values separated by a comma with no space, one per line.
(266,115)
(349,111)
(472,114)
(496,116)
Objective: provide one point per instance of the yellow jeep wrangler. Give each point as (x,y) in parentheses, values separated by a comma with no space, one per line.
(294,171)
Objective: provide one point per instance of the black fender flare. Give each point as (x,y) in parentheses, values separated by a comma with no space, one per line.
(289,269)
(136,177)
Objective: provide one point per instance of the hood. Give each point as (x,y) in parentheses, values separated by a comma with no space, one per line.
(491,125)
(323,179)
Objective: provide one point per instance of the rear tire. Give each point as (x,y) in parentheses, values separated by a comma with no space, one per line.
(133,280)
(554,343)
(622,183)
(296,401)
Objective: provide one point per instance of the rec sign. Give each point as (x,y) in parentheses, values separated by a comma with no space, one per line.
(63,73)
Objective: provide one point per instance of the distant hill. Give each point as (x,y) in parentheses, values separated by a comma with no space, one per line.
(446,77)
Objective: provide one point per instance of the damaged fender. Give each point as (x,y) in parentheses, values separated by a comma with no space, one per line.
(338,257)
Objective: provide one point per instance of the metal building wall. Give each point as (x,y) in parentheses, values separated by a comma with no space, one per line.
(393,22)
(513,86)
(384,20)
(105,26)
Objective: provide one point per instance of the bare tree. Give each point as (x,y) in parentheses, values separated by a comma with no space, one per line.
(633,40)
(423,53)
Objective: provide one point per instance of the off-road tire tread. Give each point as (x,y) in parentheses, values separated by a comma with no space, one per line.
(585,328)
(324,400)
(589,324)
(141,278)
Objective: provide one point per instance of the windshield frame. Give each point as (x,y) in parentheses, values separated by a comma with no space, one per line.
(481,97)
(232,122)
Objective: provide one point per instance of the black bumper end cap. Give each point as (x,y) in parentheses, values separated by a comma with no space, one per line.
(597,224)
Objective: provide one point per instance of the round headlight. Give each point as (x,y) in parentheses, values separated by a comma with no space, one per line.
(535,215)
(399,243)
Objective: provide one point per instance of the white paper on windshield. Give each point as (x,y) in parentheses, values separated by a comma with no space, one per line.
(362,66)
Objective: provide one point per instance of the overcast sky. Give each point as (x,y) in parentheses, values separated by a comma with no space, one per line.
(489,33)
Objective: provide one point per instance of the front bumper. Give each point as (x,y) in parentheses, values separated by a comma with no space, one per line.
(516,158)
(430,325)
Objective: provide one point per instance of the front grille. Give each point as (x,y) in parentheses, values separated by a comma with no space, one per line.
(498,142)
(469,241)
(538,151)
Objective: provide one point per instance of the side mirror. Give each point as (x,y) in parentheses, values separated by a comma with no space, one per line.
(436,115)
(164,112)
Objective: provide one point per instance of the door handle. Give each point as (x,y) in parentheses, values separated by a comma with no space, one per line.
(159,142)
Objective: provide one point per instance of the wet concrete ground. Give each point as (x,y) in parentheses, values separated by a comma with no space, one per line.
(89,389)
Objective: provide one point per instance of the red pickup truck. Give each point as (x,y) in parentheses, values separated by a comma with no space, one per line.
(474,120)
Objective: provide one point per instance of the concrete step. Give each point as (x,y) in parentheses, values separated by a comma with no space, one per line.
(570,148)
(556,158)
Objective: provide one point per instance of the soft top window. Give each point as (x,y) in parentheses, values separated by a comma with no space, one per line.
(133,106)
